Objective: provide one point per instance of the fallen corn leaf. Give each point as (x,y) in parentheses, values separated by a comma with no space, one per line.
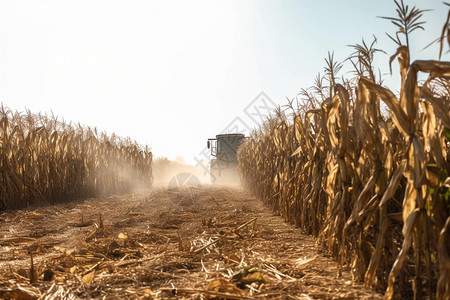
(222,285)
(88,278)
(17,293)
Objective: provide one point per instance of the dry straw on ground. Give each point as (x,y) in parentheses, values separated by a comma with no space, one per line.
(373,185)
(221,243)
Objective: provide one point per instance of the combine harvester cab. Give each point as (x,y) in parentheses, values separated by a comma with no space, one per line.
(223,168)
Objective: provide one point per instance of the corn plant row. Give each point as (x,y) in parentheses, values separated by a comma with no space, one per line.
(371,180)
(44,161)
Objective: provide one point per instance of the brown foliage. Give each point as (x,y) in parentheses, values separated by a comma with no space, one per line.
(43,160)
(372,186)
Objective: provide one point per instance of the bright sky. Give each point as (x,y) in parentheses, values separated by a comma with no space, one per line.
(171,74)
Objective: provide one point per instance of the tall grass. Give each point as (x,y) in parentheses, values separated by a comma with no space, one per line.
(373,185)
(44,161)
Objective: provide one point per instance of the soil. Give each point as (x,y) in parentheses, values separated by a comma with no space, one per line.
(193,243)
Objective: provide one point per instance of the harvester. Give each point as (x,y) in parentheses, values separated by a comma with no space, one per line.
(223,168)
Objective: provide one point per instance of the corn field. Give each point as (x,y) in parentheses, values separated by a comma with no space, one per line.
(366,170)
(44,161)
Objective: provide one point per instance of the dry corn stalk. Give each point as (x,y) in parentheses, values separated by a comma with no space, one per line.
(372,185)
(43,160)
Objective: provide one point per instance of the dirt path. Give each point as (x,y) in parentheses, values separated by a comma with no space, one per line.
(155,245)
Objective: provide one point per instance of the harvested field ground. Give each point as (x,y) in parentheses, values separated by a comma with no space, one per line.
(155,245)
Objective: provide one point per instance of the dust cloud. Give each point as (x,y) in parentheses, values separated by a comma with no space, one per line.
(164,170)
